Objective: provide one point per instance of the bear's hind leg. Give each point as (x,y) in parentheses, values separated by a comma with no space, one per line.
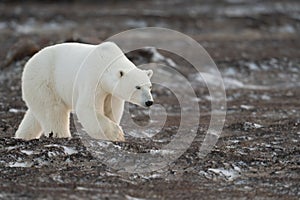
(55,121)
(29,128)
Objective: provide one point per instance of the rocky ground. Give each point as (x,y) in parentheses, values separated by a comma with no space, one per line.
(256,48)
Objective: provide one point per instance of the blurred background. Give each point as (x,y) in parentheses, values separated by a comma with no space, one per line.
(253,29)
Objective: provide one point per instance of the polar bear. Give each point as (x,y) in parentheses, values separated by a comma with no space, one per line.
(92,80)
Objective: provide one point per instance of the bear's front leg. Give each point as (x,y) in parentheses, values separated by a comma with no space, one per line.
(97,125)
(111,130)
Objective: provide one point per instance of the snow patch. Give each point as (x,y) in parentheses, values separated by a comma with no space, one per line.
(14,110)
(157,57)
(229,174)
(27,152)
(247,107)
(251,125)
(19,164)
(67,150)
(133,198)
(232,83)
(161,151)
(252,66)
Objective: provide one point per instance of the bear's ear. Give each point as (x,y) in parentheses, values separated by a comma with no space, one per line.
(149,73)
(121,73)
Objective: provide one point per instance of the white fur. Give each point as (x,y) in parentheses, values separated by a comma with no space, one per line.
(92,80)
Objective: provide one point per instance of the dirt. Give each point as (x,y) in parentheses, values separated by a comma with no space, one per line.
(256,48)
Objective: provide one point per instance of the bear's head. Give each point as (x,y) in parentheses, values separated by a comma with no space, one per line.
(124,80)
(135,87)
(132,85)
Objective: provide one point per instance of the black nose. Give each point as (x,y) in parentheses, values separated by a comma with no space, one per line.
(148,103)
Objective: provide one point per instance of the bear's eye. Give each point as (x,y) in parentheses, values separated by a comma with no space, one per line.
(150,87)
(138,87)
